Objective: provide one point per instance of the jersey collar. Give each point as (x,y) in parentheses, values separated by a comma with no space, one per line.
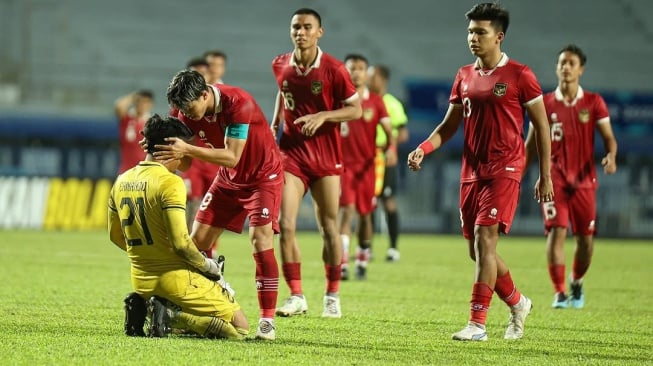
(315,64)
(218,105)
(561,98)
(502,62)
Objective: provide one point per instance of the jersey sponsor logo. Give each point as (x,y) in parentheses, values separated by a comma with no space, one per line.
(584,116)
(493,213)
(368,114)
(316,87)
(500,89)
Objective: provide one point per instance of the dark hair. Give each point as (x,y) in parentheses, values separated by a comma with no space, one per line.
(157,129)
(575,50)
(356,57)
(197,61)
(499,17)
(146,93)
(308,11)
(215,53)
(383,70)
(185,87)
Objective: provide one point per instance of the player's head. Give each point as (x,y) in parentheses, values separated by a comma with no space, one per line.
(378,78)
(144,101)
(198,64)
(217,61)
(157,129)
(305,28)
(357,66)
(189,93)
(488,24)
(571,63)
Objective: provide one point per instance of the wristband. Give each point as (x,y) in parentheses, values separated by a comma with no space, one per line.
(392,147)
(427,147)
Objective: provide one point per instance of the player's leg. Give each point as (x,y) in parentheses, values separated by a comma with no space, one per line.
(555,256)
(481,293)
(346,216)
(293,191)
(325,192)
(365,205)
(197,304)
(500,198)
(364,245)
(263,209)
(583,222)
(556,219)
(267,278)
(391,212)
(347,210)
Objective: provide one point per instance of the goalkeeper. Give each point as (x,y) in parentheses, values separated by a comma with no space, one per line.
(147,219)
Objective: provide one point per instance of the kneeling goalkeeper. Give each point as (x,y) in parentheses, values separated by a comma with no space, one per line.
(147,219)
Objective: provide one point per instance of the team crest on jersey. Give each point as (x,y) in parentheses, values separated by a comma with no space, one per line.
(500,89)
(316,87)
(368,114)
(284,85)
(201,134)
(584,115)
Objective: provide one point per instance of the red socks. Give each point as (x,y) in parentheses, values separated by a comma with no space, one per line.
(292,272)
(506,290)
(557,274)
(267,282)
(481,297)
(333,275)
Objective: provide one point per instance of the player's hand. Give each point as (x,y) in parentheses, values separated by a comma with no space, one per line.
(544,190)
(415,159)
(391,157)
(609,164)
(311,122)
(176,150)
(212,269)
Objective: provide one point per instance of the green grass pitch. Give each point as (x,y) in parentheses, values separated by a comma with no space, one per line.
(61,304)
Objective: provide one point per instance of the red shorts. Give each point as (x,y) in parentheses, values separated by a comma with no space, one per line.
(357,185)
(198,178)
(308,172)
(577,206)
(488,202)
(227,208)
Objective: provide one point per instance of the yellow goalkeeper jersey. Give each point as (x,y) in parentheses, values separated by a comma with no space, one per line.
(150,200)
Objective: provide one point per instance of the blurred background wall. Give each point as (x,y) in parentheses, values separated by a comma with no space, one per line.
(63,63)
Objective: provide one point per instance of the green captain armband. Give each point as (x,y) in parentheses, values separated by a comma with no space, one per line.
(237,131)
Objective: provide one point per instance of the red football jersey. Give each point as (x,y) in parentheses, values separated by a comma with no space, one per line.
(261,159)
(131,152)
(493,103)
(324,86)
(359,136)
(572,136)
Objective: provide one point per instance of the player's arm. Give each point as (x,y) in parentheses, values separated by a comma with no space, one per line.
(276,116)
(350,110)
(531,148)
(174,219)
(440,135)
(122,105)
(391,147)
(537,114)
(609,162)
(402,134)
(229,156)
(115,228)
